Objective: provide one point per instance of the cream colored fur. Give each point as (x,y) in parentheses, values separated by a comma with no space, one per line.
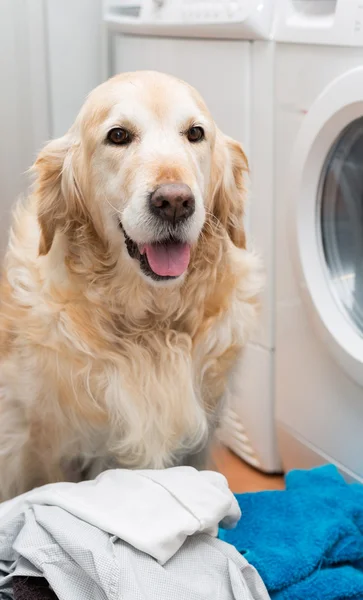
(100,366)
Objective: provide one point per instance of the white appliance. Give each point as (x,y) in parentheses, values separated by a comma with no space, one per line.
(319,233)
(50,60)
(223,49)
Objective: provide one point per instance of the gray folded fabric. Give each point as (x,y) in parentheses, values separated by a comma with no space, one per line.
(32,588)
(83,562)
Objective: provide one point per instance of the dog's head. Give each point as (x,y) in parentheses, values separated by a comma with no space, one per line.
(144,166)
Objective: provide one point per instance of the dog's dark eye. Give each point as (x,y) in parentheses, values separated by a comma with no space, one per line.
(119,136)
(195,134)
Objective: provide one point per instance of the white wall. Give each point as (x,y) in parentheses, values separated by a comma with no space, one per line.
(50,59)
(24,124)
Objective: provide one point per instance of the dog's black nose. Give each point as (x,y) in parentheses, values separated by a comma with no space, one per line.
(172,202)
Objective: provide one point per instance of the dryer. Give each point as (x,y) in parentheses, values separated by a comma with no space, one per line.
(223,48)
(319,233)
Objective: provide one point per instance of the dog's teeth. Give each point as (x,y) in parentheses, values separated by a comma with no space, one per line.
(142,249)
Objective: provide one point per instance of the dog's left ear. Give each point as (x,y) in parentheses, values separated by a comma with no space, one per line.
(229,173)
(59,200)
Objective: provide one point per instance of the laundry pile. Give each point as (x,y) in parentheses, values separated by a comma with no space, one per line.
(139,535)
(135,535)
(306,542)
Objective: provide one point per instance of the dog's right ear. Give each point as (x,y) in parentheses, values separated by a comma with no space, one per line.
(229,172)
(54,189)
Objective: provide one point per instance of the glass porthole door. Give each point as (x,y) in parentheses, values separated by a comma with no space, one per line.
(326,191)
(341,214)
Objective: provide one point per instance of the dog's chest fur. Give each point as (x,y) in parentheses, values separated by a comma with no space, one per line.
(103,376)
(90,386)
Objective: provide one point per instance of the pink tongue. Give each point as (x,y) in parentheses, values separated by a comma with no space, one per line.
(170,259)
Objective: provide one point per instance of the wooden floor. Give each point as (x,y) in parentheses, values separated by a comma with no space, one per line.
(243,478)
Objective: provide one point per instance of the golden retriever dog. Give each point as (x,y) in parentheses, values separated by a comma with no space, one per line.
(127,290)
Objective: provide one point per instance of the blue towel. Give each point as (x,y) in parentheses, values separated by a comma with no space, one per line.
(306,542)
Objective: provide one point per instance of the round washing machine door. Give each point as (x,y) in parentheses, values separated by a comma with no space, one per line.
(327,220)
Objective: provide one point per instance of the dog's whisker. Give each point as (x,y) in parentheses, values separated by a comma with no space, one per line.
(117,210)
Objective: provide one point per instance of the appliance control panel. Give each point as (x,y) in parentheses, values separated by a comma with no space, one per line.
(327,22)
(198,11)
(241,19)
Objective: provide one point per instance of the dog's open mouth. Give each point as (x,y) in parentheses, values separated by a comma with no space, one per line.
(162,260)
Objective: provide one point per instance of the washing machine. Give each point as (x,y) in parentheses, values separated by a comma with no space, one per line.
(319,233)
(224,49)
